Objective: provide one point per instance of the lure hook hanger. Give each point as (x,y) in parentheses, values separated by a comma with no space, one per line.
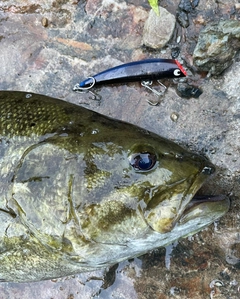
(80,89)
(85,89)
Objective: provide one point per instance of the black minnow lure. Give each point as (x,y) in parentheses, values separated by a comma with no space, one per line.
(149,69)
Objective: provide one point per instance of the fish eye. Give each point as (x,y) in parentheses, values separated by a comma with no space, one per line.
(143,161)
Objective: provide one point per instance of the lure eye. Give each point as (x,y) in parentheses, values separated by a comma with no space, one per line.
(143,161)
(177,72)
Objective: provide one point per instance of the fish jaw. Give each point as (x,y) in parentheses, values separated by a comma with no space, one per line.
(164,216)
(193,220)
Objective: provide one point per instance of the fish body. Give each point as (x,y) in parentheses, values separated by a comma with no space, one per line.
(81,191)
(148,69)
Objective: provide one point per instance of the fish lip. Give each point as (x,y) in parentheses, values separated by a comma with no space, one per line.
(205,209)
(198,199)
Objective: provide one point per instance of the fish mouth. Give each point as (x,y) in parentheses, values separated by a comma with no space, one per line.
(189,198)
(205,208)
(163,213)
(199,199)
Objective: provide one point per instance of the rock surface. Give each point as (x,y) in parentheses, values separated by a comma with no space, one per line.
(158,30)
(217,45)
(86,37)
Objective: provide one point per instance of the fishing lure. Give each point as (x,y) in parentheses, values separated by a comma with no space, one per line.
(143,70)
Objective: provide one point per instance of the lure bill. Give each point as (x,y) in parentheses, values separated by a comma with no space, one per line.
(144,70)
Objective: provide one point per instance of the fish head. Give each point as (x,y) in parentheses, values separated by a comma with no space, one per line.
(171,176)
(158,177)
(85,191)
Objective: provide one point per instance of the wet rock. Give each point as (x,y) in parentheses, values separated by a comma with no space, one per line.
(184,8)
(158,30)
(188,91)
(182,18)
(175,51)
(187,5)
(217,46)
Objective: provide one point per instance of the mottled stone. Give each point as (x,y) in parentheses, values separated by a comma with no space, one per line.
(158,30)
(217,45)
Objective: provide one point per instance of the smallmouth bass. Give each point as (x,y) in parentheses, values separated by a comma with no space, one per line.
(81,191)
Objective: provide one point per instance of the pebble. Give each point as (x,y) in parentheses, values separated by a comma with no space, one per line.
(175,51)
(184,8)
(188,91)
(174,116)
(44,22)
(237,6)
(188,5)
(182,18)
(158,30)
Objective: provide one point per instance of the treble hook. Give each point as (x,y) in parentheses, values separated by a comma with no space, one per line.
(147,84)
